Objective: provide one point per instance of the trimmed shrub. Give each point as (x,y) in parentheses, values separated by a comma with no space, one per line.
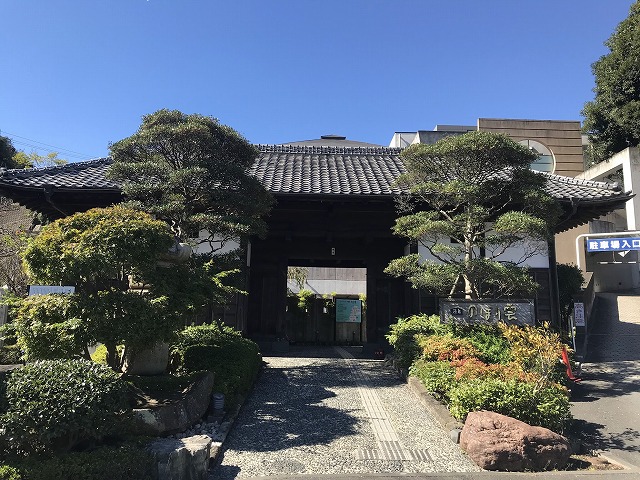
(9,473)
(445,348)
(127,462)
(547,406)
(47,327)
(56,404)
(488,340)
(233,359)
(402,334)
(437,377)
(537,350)
(474,369)
(10,355)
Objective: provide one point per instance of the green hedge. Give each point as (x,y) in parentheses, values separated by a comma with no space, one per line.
(546,406)
(10,355)
(127,462)
(55,404)
(402,336)
(437,377)
(234,360)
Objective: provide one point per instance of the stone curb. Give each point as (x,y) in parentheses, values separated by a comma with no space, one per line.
(216,447)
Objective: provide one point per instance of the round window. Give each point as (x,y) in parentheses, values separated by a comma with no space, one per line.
(545,161)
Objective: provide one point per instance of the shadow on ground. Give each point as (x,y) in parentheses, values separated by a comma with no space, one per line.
(592,437)
(285,410)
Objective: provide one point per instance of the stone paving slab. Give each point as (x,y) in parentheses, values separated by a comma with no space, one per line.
(313,412)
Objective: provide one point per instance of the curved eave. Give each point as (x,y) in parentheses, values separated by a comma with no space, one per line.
(581,211)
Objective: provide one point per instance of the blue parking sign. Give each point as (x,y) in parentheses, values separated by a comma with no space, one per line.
(613,244)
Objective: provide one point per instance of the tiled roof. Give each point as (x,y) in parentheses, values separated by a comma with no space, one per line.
(566,188)
(81,175)
(289,169)
(302,170)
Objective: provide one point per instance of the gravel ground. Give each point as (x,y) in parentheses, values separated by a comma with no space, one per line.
(305,416)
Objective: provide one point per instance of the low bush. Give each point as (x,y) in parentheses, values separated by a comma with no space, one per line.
(10,355)
(9,473)
(56,404)
(47,327)
(437,377)
(402,334)
(537,350)
(234,360)
(492,346)
(547,406)
(445,348)
(127,462)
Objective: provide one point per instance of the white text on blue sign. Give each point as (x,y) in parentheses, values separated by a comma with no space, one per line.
(613,244)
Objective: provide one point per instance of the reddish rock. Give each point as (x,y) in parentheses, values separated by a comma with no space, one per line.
(498,442)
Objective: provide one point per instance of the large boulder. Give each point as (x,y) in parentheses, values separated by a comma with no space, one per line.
(498,442)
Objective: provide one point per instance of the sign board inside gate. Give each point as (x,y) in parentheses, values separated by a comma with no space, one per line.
(348,310)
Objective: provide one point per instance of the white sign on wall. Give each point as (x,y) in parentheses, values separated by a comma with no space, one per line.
(578,314)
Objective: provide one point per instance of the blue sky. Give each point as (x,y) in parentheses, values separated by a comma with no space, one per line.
(77,75)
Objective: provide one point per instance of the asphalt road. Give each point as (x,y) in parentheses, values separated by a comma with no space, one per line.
(607,402)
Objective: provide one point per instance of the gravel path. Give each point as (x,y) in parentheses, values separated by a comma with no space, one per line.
(314,412)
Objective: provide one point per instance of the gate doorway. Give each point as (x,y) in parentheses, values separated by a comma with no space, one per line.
(271,310)
(326,305)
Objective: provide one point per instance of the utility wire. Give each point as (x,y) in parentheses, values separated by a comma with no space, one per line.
(35,144)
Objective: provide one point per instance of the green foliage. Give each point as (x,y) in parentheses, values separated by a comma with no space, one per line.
(191,171)
(305,299)
(9,473)
(234,360)
(570,281)
(547,407)
(3,392)
(402,336)
(437,377)
(125,462)
(507,369)
(477,190)
(10,355)
(47,327)
(35,160)
(53,404)
(100,252)
(445,348)
(7,151)
(536,350)
(97,250)
(612,119)
(13,240)
(492,346)
(298,275)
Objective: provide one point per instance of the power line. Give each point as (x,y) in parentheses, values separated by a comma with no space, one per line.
(35,144)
